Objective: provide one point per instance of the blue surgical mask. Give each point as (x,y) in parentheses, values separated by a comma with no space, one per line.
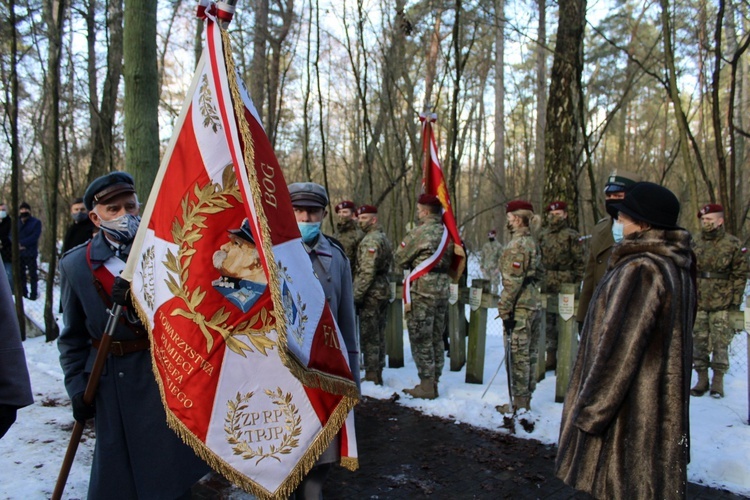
(309,231)
(617,231)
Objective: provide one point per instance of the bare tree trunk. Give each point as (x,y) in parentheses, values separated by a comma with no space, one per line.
(11,98)
(285,10)
(258,66)
(141,94)
(431,62)
(541,97)
(721,159)
(54,19)
(561,134)
(103,119)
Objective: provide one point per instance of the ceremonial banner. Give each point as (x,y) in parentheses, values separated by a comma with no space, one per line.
(433,182)
(251,365)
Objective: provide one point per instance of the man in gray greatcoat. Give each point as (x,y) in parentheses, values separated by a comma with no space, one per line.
(136,454)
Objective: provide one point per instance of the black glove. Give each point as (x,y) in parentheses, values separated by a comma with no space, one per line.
(509,324)
(82,411)
(121,292)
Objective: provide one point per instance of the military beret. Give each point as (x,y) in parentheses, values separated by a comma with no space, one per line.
(107,187)
(710,208)
(308,194)
(620,180)
(346,204)
(367,209)
(244,232)
(514,205)
(557,205)
(492,233)
(429,199)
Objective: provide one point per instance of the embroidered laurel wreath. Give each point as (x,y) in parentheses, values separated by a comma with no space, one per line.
(211,199)
(237,415)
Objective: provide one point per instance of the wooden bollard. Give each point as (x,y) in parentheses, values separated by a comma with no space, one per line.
(567,339)
(457,340)
(394,337)
(477,332)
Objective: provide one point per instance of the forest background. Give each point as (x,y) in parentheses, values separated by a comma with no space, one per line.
(535,99)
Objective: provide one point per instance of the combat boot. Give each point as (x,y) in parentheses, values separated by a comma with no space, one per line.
(521,403)
(701,386)
(371,376)
(424,390)
(551,363)
(717,385)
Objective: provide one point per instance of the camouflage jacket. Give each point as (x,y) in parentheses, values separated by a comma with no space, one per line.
(490,259)
(349,235)
(374,259)
(522,271)
(562,256)
(419,245)
(722,270)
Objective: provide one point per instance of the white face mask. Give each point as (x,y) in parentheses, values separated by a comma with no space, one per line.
(3,214)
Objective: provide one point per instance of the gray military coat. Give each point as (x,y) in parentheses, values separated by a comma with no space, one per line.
(136,454)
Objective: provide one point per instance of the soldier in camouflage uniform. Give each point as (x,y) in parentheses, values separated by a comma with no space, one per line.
(429,295)
(520,302)
(490,256)
(372,291)
(348,232)
(722,274)
(562,257)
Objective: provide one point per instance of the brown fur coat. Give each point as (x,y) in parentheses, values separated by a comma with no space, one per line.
(625,429)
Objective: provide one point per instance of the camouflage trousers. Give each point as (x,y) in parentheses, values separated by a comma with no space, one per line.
(426,323)
(712,335)
(372,319)
(524,351)
(551,331)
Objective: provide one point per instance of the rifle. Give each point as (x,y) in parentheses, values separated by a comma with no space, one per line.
(88,397)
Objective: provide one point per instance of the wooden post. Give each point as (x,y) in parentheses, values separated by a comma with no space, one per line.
(458,341)
(567,342)
(394,332)
(477,332)
(541,364)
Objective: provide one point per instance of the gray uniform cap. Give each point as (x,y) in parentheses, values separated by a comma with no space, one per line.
(308,194)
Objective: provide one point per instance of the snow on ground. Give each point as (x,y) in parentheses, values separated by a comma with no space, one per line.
(33,448)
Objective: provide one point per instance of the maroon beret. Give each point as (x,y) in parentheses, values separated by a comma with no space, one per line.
(710,208)
(346,204)
(514,205)
(429,199)
(557,205)
(367,209)
(492,233)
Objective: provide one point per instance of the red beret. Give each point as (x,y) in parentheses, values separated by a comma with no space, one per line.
(514,205)
(367,209)
(492,233)
(710,208)
(557,205)
(429,199)
(346,204)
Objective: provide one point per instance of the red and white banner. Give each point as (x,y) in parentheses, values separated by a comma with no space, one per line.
(251,365)
(433,182)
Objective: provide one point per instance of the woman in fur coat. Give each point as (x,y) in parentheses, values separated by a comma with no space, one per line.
(625,430)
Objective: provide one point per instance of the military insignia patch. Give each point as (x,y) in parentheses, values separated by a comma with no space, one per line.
(516,265)
(371,250)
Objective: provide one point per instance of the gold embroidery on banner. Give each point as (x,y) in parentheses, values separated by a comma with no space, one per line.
(259,426)
(210,199)
(210,116)
(294,310)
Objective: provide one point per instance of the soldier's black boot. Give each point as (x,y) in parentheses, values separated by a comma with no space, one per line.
(700,387)
(717,385)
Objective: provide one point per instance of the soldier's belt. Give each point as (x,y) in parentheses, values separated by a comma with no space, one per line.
(123,347)
(715,276)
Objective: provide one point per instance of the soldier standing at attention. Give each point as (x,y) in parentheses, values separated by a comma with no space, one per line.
(490,256)
(429,293)
(722,273)
(520,302)
(348,232)
(618,184)
(372,291)
(136,454)
(562,257)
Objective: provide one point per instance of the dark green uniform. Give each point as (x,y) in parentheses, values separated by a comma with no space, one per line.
(372,293)
(349,235)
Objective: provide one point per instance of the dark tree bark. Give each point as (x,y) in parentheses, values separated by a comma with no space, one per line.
(561,133)
(141,94)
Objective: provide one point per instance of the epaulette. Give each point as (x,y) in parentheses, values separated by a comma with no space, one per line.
(336,243)
(76,247)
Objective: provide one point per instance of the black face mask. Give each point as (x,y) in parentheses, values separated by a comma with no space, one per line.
(610,206)
(25,215)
